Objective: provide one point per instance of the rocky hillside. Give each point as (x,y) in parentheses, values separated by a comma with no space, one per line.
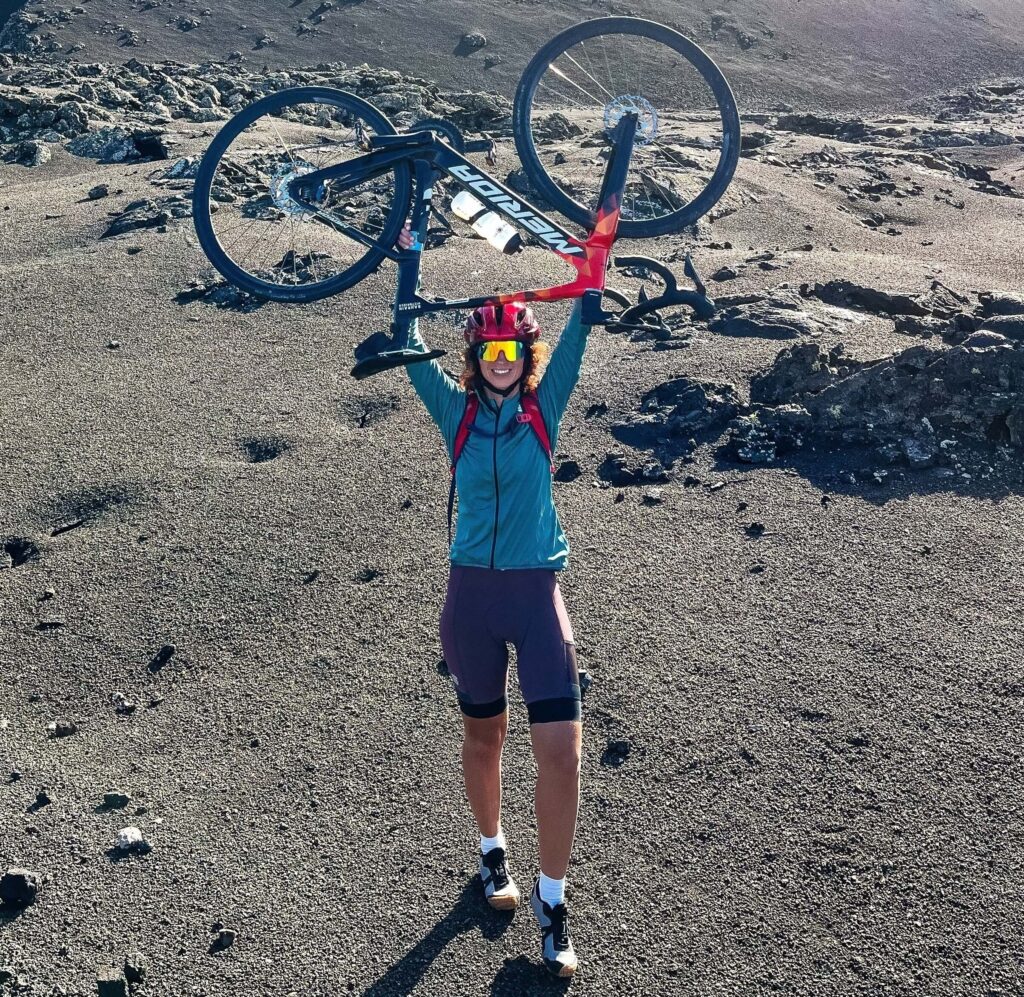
(815,54)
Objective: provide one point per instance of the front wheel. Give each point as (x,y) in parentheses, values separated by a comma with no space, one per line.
(577,88)
(267,242)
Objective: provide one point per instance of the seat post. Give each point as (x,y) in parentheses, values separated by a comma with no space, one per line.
(614,181)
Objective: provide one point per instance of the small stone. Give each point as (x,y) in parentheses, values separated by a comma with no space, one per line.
(616,752)
(225,939)
(113,344)
(754,530)
(652,496)
(474,40)
(654,471)
(18,887)
(115,800)
(162,657)
(100,190)
(32,154)
(131,839)
(586,681)
(62,728)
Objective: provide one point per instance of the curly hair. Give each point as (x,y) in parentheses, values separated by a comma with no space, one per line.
(540,353)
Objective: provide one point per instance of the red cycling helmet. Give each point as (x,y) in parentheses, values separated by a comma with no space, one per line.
(512,321)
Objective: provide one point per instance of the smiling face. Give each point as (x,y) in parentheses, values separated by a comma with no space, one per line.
(502,373)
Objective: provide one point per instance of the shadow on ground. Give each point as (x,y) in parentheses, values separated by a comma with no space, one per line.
(8,8)
(469,912)
(830,472)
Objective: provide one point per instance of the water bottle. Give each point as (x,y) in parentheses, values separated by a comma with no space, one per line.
(489,224)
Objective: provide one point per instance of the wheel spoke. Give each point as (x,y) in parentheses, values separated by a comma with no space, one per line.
(672,87)
(572,82)
(263,207)
(611,96)
(575,103)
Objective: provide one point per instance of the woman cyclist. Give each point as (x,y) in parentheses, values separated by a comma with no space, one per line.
(502,589)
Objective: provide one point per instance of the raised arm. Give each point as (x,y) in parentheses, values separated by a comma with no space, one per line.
(441,395)
(563,370)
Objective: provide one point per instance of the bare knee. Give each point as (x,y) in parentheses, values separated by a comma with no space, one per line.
(485,736)
(557,748)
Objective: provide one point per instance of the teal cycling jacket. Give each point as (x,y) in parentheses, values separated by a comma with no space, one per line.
(507,516)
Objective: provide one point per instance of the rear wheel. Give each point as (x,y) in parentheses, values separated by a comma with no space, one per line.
(262,239)
(576,89)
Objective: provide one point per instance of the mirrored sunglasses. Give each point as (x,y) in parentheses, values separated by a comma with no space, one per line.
(489,351)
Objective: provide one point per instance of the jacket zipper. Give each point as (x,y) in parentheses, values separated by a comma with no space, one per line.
(494,538)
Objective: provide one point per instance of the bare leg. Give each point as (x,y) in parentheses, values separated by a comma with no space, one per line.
(557,747)
(481,768)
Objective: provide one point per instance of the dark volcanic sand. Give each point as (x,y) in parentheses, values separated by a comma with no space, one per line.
(823,791)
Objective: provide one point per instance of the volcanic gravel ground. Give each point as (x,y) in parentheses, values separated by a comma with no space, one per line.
(802,745)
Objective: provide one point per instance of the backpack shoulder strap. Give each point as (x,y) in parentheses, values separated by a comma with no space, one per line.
(532,413)
(461,435)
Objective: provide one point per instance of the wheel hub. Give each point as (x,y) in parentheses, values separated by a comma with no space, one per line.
(647,116)
(279,193)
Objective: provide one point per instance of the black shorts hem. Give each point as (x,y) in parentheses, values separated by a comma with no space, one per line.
(482,711)
(546,711)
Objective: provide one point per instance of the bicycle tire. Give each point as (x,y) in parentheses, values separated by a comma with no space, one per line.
(202,216)
(698,60)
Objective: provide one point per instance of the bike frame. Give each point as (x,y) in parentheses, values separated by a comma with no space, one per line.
(431,156)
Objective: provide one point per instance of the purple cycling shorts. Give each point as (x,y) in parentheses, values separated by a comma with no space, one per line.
(487,609)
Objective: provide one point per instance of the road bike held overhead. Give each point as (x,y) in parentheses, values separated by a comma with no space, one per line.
(303,193)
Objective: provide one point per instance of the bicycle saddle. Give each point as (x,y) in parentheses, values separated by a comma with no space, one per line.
(373,355)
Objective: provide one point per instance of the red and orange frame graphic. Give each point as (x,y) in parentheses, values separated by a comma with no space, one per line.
(430,154)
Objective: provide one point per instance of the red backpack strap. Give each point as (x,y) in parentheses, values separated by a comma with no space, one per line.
(531,408)
(461,435)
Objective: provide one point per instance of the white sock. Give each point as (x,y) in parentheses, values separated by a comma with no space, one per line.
(498,841)
(552,891)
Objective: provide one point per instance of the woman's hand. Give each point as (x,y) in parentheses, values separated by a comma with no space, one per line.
(405,239)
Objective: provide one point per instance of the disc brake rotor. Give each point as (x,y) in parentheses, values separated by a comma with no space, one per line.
(647,116)
(279,183)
